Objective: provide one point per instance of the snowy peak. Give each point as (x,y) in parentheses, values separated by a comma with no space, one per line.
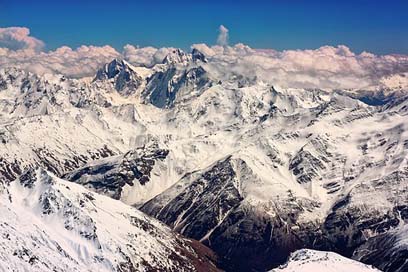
(198,56)
(110,70)
(165,88)
(306,260)
(177,56)
(125,78)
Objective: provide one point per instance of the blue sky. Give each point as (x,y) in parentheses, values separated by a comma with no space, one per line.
(376,26)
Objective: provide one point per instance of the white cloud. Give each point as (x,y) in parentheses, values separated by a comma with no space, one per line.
(83,61)
(327,67)
(145,56)
(139,56)
(222,36)
(18,38)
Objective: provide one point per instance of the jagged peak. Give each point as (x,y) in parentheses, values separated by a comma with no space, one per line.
(113,68)
(124,74)
(177,56)
(197,55)
(109,70)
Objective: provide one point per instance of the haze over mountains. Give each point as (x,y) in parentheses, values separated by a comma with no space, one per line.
(254,154)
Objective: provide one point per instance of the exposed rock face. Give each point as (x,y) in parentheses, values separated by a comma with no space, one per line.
(387,251)
(198,209)
(109,176)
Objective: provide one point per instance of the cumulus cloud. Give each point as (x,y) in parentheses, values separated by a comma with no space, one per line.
(145,56)
(19,49)
(18,38)
(139,56)
(83,61)
(222,36)
(327,67)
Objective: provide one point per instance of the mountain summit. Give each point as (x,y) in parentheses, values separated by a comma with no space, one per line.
(123,75)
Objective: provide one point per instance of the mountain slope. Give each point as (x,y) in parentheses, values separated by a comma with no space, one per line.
(134,177)
(388,251)
(48,224)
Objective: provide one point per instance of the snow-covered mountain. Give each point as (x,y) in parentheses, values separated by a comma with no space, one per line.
(48,224)
(306,260)
(251,170)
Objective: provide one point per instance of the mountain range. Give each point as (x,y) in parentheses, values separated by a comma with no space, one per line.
(246,175)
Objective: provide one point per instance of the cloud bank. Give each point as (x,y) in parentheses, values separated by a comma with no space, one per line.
(327,67)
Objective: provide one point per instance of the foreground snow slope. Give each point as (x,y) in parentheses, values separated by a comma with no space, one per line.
(48,224)
(306,260)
